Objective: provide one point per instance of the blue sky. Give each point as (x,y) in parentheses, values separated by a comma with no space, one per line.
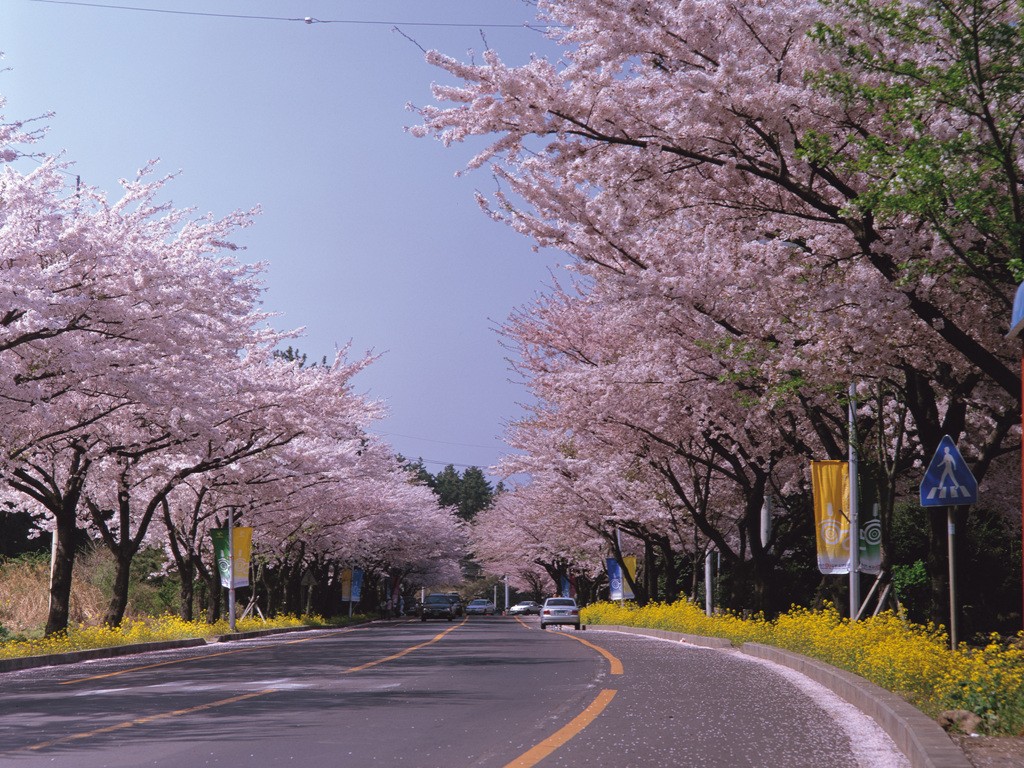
(369,236)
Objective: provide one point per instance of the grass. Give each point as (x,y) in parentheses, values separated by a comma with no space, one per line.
(911,660)
(23,608)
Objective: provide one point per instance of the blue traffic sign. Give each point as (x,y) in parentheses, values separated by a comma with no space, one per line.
(948,481)
(1017,318)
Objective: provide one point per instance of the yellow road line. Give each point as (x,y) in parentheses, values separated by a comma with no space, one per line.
(211,705)
(535,754)
(147,719)
(614,663)
(409,650)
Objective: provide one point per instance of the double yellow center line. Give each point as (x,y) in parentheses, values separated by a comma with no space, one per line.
(529,758)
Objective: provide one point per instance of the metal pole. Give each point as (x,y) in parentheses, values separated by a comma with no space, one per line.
(708,603)
(231,568)
(53,566)
(506,593)
(854,512)
(951,526)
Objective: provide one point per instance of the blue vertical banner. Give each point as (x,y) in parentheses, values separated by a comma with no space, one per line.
(357,584)
(568,587)
(614,579)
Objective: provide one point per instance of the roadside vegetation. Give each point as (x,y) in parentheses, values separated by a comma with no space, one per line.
(912,660)
(144,630)
(152,614)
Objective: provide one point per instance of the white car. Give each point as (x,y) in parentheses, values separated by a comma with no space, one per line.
(480,607)
(560,610)
(525,608)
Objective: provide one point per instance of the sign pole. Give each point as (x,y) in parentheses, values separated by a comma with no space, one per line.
(708,596)
(951,528)
(231,560)
(854,511)
(948,483)
(1016,328)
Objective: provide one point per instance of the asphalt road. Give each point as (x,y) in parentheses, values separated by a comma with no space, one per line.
(487,691)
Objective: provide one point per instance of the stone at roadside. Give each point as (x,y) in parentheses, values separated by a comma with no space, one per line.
(960,721)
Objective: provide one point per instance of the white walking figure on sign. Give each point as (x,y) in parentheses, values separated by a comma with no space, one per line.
(948,465)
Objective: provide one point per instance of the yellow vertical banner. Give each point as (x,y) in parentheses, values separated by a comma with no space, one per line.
(830,484)
(630,563)
(241,545)
(234,570)
(346,585)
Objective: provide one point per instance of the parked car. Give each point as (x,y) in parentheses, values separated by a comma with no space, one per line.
(437,606)
(479,607)
(559,610)
(525,608)
(456,600)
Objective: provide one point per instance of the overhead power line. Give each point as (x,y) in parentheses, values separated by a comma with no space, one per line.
(441,442)
(299,19)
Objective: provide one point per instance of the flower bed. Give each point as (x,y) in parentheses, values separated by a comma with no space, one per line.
(911,660)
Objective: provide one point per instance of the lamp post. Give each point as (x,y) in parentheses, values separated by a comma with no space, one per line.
(854,509)
(1016,326)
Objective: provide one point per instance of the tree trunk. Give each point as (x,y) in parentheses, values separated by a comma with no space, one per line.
(650,572)
(668,556)
(119,595)
(63,565)
(937,566)
(213,603)
(186,592)
(184,559)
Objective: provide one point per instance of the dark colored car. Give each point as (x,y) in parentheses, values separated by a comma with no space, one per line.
(437,606)
(457,603)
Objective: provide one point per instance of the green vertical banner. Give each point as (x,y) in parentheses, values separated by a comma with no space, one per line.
(232,573)
(870,540)
(357,584)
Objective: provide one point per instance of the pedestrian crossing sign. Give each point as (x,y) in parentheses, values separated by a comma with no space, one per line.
(948,481)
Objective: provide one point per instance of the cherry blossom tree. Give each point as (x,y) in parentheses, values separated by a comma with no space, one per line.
(728,179)
(140,382)
(97,295)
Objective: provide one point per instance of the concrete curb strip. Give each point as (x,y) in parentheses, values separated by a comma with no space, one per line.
(29,662)
(919,737)
(261,633)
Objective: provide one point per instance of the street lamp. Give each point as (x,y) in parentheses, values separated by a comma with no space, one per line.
(1016,326)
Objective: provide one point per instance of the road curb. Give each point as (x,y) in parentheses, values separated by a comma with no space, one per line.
(919,737)
(114,651)
(233,636)
(707,642)
(30,662)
